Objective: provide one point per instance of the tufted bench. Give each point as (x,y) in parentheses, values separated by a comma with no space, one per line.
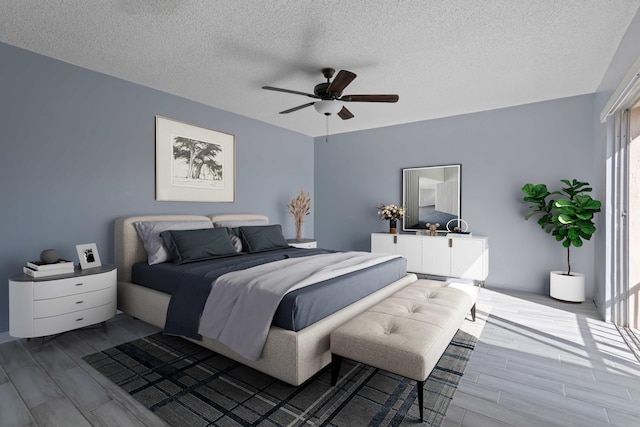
(406,333)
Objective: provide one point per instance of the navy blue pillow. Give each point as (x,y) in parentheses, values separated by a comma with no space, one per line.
(198,245)
(260,238)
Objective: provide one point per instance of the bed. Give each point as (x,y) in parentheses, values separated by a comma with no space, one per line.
(291,356)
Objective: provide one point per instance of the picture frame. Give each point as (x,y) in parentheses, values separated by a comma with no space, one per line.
(193,164)
(88,256)
(431,194)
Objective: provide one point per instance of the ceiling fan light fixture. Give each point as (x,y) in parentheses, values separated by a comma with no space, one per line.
(328,107)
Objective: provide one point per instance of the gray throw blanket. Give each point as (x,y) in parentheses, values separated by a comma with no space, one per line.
(241,304)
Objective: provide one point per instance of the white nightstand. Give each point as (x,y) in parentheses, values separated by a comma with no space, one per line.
(303,243)
(50,305)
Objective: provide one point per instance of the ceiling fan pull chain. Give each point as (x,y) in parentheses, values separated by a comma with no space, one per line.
(326,137)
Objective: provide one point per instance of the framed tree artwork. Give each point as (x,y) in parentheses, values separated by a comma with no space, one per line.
(193,164)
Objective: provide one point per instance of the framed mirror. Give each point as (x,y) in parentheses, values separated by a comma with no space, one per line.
(430,194)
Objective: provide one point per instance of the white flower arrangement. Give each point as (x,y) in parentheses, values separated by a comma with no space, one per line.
(390,212)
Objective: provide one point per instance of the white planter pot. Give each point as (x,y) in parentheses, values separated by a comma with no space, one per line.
(567,288)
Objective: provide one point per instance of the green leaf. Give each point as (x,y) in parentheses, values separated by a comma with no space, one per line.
(593,205)
(584,215)
(565,219)
(587,227)
(563,203)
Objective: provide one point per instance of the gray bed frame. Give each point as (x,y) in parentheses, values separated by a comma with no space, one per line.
(292,357)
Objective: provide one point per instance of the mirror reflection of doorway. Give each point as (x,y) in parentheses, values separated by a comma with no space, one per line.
(431,194)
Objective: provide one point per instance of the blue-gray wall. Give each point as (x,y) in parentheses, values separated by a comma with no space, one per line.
(78,152)
(499,150)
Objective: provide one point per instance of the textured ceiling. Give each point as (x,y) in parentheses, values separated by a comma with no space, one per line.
(442,58)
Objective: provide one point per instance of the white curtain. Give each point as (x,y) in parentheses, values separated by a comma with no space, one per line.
(617,267)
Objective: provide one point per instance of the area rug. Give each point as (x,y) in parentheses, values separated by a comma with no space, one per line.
(187,385)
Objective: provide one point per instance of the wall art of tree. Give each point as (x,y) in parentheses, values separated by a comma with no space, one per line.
(199,158)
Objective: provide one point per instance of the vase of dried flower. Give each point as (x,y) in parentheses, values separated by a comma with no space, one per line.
(393,226)
(299,222)
(298,209)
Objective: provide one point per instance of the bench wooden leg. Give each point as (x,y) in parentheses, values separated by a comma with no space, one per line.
(473,313)
(421,399)
(336,361)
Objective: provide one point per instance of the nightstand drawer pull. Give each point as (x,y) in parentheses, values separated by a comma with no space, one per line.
(79,284)
(82,318)
(79,302)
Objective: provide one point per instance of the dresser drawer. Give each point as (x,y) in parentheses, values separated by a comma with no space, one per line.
(73,285)
(78,319)
(63,305)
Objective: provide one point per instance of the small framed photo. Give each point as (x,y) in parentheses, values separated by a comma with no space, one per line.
(88,255)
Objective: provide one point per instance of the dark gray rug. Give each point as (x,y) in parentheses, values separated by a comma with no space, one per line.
(187,385)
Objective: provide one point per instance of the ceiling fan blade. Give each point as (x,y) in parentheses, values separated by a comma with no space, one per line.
(370,98)
(299,107)
(341,80)
(345,114)
(277,89)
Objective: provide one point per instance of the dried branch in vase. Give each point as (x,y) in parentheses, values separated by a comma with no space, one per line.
(298,208)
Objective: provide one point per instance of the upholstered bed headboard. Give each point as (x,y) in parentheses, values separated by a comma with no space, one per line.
(128,245)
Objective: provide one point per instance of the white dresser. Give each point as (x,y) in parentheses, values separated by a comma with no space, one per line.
(459,257)
(50,305)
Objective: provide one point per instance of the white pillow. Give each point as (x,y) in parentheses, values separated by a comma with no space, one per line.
(241,223)
(149,232)
(236,242)
(233,224)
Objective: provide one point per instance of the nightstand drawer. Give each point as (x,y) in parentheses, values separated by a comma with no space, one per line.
(71,303)
(79,319)
(73,285)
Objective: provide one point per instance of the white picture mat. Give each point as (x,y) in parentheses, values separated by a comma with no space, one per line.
(222,190)
(83,250)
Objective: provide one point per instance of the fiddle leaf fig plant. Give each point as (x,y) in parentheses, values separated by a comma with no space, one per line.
(566,213)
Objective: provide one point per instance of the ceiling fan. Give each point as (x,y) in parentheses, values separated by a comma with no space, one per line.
(330,95)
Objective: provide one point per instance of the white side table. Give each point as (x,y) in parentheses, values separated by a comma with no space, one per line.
(303,243)
(54,304)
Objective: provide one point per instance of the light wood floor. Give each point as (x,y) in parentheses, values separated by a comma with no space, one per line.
(538,362)
(541,362)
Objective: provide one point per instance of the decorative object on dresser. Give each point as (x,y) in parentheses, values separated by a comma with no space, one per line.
(193,164)
(430,194)
(433,229)
(458,227)
(39,307)
(49,256)
(88,256)
(447,256)
(48,265)
(568,216)
(392,213)
(298,209)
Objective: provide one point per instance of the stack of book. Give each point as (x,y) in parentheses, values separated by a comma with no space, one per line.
(41,269)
